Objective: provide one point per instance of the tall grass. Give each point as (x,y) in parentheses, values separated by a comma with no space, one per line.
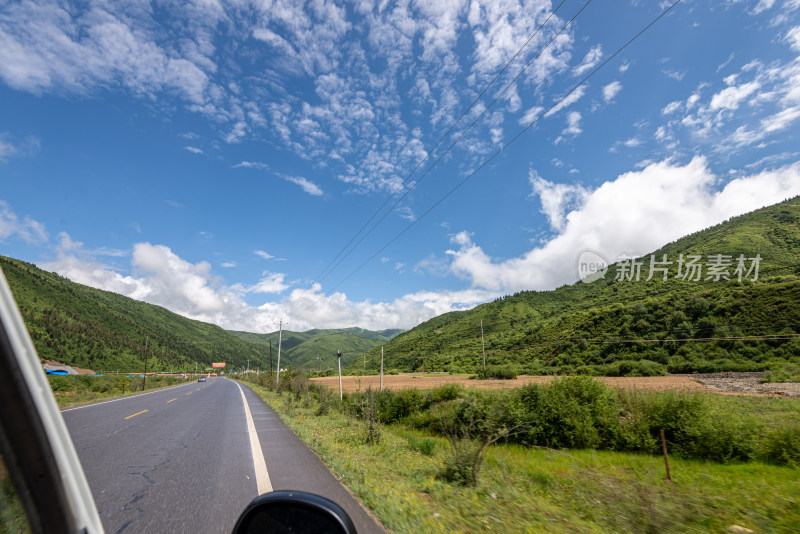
(533,489)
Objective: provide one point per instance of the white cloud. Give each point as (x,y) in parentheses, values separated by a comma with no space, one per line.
(45,47)
(570,99)
(193,149)
(793,37)
(270,283)
(731,97)
(264,255)
(252,165)
(590,60)
(27,229)
(611,90)
(6,149)
(573,124)
(637,212)
(672,107)
(161,277)
(309,187)
(556,200)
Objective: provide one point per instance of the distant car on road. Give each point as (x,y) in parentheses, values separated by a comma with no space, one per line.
(201,379)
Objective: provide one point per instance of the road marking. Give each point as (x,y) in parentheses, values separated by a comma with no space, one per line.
(189,393)
(176,398)
(263,483)
(121,398)
(134,415)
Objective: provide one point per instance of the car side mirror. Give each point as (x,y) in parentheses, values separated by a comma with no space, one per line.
(293,511)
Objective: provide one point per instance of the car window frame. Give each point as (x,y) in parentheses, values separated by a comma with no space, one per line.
(34,439)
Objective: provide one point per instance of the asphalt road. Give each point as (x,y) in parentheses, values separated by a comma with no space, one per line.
(180,459)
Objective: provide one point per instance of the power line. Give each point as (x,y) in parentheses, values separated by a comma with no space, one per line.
(463,133)
(334,263)
(428,153)
(502,148)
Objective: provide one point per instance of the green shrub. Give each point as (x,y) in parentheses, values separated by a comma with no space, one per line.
(443,393)
(784,372)
(573,412)
(695,426)
(783,446)
(425,446)
(499,372)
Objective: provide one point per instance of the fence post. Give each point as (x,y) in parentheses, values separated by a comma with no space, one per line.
(664,449)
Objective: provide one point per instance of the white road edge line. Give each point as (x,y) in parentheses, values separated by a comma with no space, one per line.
(263,482)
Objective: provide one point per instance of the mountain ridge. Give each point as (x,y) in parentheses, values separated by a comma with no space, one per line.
(623,326)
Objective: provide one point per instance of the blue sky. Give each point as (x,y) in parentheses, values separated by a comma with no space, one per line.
(215,157)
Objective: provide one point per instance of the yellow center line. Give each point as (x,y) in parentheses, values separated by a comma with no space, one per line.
(134,415)
(176,398)
(189,393)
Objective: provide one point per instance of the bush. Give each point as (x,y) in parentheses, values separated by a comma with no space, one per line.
(785,372)
(499,372)
(695,426)
(573,412)
(470,425)
(425,446)
(783,446)
(443,393)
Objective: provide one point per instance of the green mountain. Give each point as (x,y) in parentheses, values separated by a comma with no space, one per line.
(623,326)
(316,349)
(86,327)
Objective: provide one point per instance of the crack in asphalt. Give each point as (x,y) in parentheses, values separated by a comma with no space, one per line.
(171,453)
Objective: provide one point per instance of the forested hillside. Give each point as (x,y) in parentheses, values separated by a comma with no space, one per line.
(86,327)
(316,349)
(618,325)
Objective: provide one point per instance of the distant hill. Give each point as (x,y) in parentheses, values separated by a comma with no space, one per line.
(628,327)
(86,327)
(316,349)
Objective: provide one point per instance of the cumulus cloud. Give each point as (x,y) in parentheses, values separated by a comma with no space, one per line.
(637,212)
(159,276)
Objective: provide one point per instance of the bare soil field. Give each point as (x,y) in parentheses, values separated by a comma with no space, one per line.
(722,383)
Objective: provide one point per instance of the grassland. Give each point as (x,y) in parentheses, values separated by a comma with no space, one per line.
(537,489)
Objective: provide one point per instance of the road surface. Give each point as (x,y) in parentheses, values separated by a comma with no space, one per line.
(181,459)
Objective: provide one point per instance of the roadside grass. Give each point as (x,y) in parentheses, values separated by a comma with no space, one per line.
(72,390)
(527,489)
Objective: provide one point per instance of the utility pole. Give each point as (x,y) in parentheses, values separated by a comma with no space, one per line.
(144,379)
(381,368)
(280,335)
(339,356)
(483,347)
(248,366)
(270,358)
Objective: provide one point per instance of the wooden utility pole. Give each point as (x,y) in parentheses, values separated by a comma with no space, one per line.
(664,448)
(483,347)
(270,359)
(280,335)
(144,379)
(381,368)
(339,356)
